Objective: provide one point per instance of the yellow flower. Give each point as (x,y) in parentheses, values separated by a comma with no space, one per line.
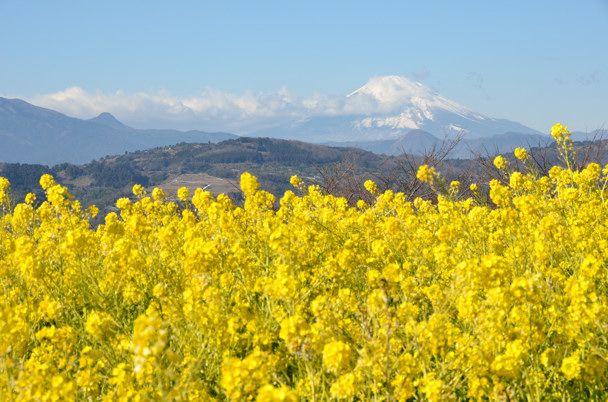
(93,211)
(455,186)
(521,153)
(47,181)
(562,136)
(242,378)
(434,299)
(183,194)
(159,194)
(336,356)
(30,198)
(345,387)
(371,187)
(138,190)
(571,366)
(268,393)
(433,388)
(296,181)
(547,357)
(558,131)
(150,338)
(426,174)
(249,184)
(4,183)
(99,324)
(500,162)
(122,203)
(294,331)
(50,309)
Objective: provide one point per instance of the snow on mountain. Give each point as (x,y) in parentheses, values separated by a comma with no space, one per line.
(389,106)
(395,93)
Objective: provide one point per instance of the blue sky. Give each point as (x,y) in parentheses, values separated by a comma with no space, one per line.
(535,62)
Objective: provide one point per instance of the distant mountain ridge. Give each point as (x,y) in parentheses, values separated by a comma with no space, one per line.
(31,134)
(420,142)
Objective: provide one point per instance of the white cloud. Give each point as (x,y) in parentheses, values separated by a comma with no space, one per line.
(214,110)
(210,110)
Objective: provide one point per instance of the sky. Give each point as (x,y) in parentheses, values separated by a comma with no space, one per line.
(233,65)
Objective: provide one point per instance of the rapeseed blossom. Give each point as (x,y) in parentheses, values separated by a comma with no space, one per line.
(521,153)
(336,355)
(201,299)
(500,162)
(426,174)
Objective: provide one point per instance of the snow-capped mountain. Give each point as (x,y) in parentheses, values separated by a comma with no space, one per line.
(386,108)
(406,104)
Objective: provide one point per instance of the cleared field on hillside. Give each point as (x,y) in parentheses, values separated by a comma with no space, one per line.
(215,185)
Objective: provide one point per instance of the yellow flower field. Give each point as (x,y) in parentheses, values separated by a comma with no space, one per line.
(316,300)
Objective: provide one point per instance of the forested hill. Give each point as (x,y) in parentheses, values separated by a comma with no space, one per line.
(273,161)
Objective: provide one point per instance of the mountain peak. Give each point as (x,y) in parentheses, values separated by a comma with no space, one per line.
(409,102)
(109,120)
(397,103)
(392,88)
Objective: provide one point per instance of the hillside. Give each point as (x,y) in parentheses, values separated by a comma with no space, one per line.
(191,165)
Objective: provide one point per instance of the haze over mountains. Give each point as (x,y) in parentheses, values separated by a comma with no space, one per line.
(389,114)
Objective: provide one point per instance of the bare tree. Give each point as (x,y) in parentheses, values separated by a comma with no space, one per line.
(346,178)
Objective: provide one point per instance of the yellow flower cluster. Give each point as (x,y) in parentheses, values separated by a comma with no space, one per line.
(562,136)
(500,162)
(393,300)
(426,174)
(521,154)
